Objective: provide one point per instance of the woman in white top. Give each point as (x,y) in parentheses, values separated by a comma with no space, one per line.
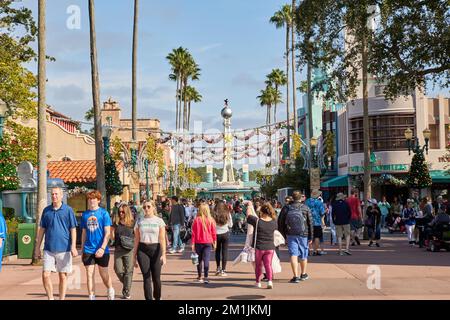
(150,249)
(224,222)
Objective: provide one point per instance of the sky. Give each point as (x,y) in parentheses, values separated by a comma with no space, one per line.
(231,40)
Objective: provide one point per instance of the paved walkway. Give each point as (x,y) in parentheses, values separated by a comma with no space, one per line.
(406,273)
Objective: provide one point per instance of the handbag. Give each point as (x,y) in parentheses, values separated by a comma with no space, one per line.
(127,242)
(278,238)
(251,250)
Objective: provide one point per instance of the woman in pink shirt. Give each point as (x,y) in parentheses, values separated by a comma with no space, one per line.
(203,240)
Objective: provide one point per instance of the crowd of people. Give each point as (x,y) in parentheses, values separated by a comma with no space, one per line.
(143,236)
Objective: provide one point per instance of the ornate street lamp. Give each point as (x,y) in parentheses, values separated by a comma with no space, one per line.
(413,143)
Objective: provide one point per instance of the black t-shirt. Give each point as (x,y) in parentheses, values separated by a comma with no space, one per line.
(264,234)
(122,230)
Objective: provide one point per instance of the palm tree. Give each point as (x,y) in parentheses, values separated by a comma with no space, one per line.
(191,71)
(269,97)
(283,19)
(294,91)
(275,79)
(192,95)
(133,81)
(183,68)
(42,111)
(99,156)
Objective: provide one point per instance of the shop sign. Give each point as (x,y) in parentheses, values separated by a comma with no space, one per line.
(381,168)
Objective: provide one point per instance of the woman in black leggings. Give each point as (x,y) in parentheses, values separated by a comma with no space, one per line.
(150,249)
(224,222)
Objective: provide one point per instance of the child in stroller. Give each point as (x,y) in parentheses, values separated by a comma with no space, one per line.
(394,223)
(238,223)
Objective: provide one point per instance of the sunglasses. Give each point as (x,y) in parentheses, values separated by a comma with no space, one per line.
(121,211)
(147,207)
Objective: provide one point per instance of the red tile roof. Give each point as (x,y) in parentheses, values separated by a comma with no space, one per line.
(77,171)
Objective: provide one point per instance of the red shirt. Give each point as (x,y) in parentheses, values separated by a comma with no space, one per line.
(201,234)
(355,205)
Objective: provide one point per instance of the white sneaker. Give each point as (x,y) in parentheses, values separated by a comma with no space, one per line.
(111,294)
(269,285)
(258,284)
(92,297)
(180,250)
(172,251)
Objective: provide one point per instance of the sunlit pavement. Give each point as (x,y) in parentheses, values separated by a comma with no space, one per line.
(396,270)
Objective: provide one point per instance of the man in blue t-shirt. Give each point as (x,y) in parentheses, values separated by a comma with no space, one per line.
(3,233)
(58,224)
(318,212)
(95,224)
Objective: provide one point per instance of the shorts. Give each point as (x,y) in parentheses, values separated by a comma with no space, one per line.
(342,230)
(57,262)
(318,232)
(90,259)
(355,224)
(298,247)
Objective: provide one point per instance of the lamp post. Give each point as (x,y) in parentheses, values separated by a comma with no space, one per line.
(413,143)
(134,155)
(147,191)
(106,135)
(314,173)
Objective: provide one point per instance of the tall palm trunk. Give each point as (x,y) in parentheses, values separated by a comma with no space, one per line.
(185,106)
(189,116)
(294,88)
(176,100)
(99,156)
(42,111)
(366,123)
(288,115)
(275,106)
(134,64)
(309,96)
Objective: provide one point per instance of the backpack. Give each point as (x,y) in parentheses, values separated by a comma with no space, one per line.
(295,221)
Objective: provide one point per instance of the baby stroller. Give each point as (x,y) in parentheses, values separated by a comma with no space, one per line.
(186,232)
(438,237)
(395,223)
(238,224)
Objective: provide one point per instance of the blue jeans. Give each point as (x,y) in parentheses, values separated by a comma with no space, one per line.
(383,220)
(204,251)
(176,237)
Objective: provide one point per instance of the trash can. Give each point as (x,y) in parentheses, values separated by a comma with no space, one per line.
(26,238)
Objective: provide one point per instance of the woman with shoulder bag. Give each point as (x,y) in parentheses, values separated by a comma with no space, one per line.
(263,242)
(150,249)
(123,236)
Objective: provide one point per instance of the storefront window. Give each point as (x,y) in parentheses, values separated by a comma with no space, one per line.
(386,132)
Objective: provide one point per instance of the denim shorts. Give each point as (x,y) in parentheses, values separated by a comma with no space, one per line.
(298,246)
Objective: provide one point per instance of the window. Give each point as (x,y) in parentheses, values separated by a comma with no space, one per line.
(386,132)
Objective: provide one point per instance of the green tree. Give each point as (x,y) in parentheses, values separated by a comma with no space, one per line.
(114,186)
(23,142)
(269,97)
(192,95)
(410,46)
(418,175)
(8,173)
(276,79)
(323,44)
(283,18)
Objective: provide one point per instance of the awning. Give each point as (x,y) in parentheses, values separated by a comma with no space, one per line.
(340,181)
(440,176)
